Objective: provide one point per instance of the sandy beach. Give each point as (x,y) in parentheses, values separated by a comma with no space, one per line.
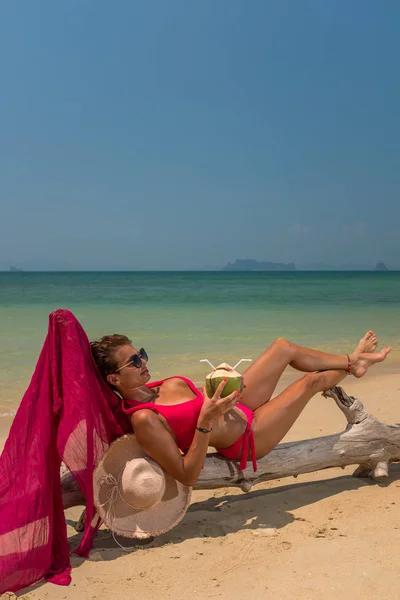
(322,535)
(202,178)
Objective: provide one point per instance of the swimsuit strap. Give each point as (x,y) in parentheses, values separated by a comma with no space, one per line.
(248,439)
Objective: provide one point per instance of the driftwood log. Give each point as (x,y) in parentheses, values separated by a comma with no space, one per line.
(366,442)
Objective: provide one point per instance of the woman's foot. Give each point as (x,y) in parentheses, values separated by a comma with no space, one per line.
(365,360)
(368,343)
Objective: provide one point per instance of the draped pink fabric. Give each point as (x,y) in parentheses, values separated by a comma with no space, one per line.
(67,414)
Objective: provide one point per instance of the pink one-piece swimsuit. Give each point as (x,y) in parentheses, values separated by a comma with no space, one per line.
(183,417)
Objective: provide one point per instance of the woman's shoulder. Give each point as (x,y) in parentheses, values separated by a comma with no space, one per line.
(144,414)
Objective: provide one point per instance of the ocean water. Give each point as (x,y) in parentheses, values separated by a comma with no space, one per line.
(182,317)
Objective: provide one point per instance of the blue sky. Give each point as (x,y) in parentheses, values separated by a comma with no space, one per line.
(179,135)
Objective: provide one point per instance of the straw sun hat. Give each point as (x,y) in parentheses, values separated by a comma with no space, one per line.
(133,495)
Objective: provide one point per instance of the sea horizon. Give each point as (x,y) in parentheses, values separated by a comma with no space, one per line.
(203,270)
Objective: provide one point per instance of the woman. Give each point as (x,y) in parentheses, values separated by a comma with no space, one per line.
(171,415)
(70,414)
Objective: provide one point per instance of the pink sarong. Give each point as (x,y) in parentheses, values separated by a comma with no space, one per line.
(67,414)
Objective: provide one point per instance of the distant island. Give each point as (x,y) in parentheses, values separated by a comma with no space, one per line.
(15,269)
(380,266)
(250,264)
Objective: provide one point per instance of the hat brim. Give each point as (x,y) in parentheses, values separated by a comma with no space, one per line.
(118,515)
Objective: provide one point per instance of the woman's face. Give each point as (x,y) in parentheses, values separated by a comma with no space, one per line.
(128,377)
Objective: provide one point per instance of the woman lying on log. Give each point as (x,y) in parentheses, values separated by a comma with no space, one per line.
(72,411)
(171,417)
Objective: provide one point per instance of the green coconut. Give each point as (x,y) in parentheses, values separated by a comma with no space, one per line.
(224,371)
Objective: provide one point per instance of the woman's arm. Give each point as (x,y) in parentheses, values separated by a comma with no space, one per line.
(158,443)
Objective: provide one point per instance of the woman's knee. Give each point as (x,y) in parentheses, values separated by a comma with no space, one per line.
(313,382)
(284,345)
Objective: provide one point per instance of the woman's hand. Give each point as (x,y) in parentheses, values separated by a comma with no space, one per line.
(216,406)
(158,443)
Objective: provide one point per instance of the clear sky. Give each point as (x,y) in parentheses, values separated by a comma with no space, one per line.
(180,134)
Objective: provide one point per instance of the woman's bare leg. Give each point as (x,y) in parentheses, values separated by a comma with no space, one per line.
(273,420)
(263,375)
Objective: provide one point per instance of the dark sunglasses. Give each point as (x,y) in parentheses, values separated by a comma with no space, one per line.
(135,360)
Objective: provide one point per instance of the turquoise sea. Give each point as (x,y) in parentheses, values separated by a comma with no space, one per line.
(182,317)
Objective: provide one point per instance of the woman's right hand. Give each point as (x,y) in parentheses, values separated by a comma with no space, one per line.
(216,406)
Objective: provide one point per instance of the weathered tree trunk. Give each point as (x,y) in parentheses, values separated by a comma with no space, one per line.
(366,442)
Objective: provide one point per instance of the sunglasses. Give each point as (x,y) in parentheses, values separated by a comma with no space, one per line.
(135,360)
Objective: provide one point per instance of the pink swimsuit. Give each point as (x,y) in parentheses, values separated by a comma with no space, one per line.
(182,418)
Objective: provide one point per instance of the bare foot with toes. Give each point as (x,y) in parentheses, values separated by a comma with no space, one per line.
(365,360)
(368,343)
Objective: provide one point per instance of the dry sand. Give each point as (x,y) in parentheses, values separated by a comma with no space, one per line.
(320,536)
